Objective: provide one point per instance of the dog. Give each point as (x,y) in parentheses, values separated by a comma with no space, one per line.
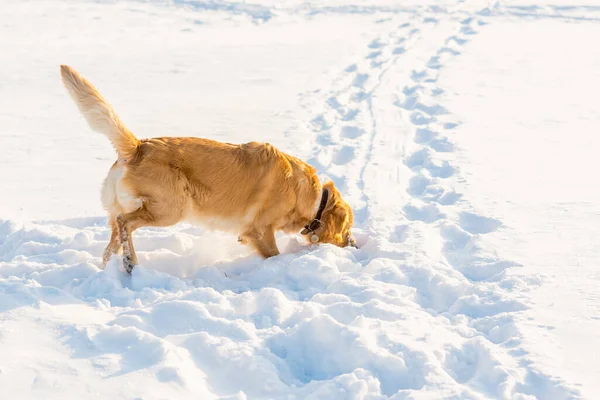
(250,189)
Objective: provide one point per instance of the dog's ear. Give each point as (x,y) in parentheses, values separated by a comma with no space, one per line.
(342,214)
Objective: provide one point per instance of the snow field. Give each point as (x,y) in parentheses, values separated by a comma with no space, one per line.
(425,308)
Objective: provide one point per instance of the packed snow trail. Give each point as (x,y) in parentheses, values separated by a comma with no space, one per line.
(423,309)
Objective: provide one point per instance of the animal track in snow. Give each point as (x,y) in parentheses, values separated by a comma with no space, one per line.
(423,159)
(334,103)
(425,189)
(359,96)
(373,54)
(427,213)
(343,155)
(449,50)
(430,162)
(445,170)
(349,115)
(413,103)
(457,40)
(360,80)
(424,135)
(442,145)
(376,44)
(477,224)
(469,281)
(418,76)
(420,118)
(320,122)
(352,132)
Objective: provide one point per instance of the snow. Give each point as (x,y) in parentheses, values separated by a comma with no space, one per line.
(461,133)
(546,192)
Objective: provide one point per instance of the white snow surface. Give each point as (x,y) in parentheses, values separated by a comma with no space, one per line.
(464,134)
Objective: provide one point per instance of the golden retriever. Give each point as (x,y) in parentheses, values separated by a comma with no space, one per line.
(250,189)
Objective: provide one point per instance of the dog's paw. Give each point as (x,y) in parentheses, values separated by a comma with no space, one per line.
(127,264)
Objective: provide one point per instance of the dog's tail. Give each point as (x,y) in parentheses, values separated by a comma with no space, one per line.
(99,114)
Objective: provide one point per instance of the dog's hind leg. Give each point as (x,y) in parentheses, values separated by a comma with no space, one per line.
(114,244)
(263,241)
(126,224)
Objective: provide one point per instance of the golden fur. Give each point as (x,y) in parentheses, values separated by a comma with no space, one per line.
(251,189)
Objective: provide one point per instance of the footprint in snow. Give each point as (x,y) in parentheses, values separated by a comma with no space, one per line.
(376,64)
(333,102)
(477,224)
(457,40)
(375,44)
(424,135)
(419,118)
(360,96)
(434,63)
(373,54)
(320,122)
(445,170)
(349,115)
(422,159)
(449,198)
(428,191)
(418,76)
(352,132)
(448,50)
(418,185)
(412,103)
(343,155)
(467,30)
(450,125)
(428,213)
(418,159)
(360,80)
(434,109)
(442,145)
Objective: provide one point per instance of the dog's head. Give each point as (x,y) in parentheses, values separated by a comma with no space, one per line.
(336,221)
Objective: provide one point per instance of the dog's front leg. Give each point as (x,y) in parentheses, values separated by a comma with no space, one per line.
(262,240)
